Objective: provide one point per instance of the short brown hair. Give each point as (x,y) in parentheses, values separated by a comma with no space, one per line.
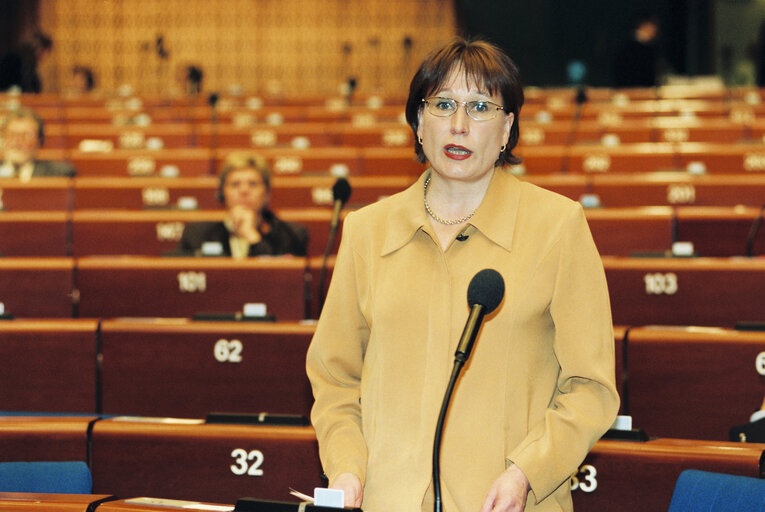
(244,160)
(484,64)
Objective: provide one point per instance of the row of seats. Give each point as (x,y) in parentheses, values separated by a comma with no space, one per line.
(693,157)
(560,105)
(598,190)
(713,231)
(184,368)
(219,463)
(665,291)
(314,134)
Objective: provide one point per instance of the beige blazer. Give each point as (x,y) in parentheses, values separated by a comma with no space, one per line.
(539,388)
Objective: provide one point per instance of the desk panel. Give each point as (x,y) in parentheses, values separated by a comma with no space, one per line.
(37,287)
(624,231)
(135,193)
(638,477)
(157,232)
(23,501)
(142,162)
(214,463)
(39,438)
(694,383)
(37,233)
(679,189)
(625,158)
(161,505)
(724,158)
(48,365)
(166,135)
(150,233)
(266,136)
(720,232)
(181,287)
(698,291)
(203,367)
(323,161)
(35,194)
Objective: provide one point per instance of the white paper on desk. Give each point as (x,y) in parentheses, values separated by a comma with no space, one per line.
(323,497)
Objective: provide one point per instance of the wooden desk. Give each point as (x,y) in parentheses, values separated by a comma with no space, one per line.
(286,191)
(46,502)
(320,161)
(48,365)
(265,136)
(694,383)
(624,231)
(194,461)
(636,477)
(724,158)
(678,189)
(203,367)
(44,438)
(182,287)
(37,287)
(36,194)
(160,505)
(169,135)
(720,232)
(679,291)
(34,233)
(150,232)
(625,158)
(144,162)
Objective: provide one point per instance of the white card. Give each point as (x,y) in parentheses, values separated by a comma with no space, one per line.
(328,497)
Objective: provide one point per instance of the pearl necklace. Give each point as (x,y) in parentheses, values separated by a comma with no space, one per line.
(439,219)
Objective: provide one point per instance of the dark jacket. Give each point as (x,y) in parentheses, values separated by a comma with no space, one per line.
(282,238)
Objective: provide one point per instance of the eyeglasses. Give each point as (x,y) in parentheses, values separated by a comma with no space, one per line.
(479,110)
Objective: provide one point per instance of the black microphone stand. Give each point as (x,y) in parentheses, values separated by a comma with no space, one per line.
(460,357)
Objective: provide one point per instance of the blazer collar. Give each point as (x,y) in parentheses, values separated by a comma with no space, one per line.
(494,218)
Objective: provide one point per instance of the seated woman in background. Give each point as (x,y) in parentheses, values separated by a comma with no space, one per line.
(250,227)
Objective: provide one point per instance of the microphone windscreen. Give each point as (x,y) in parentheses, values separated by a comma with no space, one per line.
(487,288)
(341,190)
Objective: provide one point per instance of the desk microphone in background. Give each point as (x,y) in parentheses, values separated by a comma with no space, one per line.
(485,292)
(579,99)
(341,191)
(212,100)
(750,239)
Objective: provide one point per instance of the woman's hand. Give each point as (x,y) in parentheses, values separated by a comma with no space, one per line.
(350,484)
(508,492)
(244,223)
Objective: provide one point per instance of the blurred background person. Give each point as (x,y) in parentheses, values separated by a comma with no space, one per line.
(81,81)
(250,227)
(18,68)
(637,62)
(23,135)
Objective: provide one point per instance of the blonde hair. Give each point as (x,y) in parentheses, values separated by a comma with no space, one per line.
(244,160)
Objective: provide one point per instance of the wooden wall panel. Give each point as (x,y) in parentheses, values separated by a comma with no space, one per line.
(288,46)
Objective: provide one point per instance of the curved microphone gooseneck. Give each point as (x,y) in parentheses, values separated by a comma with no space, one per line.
(753,233)
(485,292)
(341,191)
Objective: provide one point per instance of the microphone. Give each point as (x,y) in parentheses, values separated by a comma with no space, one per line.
(485,292)
(580,98)
(212,100)
(753,233)
(341,191)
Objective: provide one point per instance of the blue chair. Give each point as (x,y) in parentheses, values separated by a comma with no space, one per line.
(46,477)
(701,491)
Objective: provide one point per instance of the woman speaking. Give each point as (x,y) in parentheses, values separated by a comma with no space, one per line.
(539,388)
